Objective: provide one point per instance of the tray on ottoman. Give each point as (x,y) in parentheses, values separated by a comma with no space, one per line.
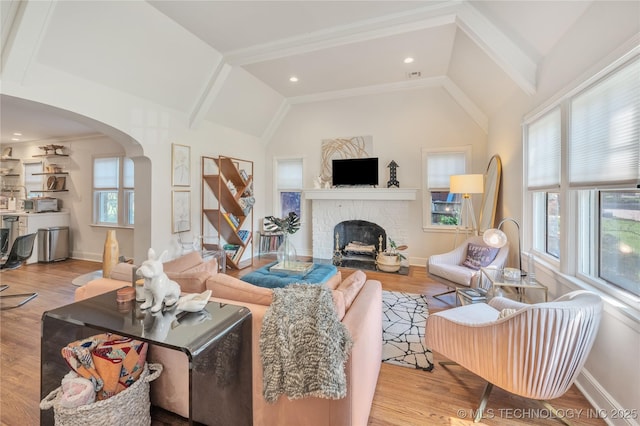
(293,268)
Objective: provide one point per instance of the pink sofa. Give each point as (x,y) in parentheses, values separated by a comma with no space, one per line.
(358,303)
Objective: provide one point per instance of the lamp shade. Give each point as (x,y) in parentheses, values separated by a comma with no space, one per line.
(494,237)
(466,184)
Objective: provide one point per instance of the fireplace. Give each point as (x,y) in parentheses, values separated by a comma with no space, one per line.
(389,208)
(357,242)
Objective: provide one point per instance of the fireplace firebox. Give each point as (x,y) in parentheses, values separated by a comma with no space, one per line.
(357,243)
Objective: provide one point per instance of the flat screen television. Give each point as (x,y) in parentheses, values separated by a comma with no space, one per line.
(355,171)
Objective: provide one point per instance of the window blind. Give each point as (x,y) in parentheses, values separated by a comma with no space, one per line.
(604,143)
(543,151)
(105,172)
(127,172)
(442,165)
(290,174)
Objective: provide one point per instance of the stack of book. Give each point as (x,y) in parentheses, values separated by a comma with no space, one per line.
(472,295)
(232,250)
(244,235)
(233,221)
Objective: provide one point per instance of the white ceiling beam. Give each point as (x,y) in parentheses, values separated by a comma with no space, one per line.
(417,19)
(509,56)
(26,25)
(454,91)
(466,103)
(275,122)
(209,94)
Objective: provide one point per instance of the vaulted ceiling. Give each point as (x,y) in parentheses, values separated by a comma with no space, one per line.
(230,61)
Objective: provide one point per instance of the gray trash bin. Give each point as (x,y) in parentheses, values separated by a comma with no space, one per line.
(53,244)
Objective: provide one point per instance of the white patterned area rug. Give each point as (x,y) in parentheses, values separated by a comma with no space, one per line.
(403,321)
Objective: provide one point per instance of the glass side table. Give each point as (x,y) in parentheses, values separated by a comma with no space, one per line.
(498,281)
(216,341)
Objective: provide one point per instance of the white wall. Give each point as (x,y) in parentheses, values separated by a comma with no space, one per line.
(611,376)
(401,123)
(86,240)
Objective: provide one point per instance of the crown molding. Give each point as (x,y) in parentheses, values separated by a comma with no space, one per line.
(428,17)
(444,82)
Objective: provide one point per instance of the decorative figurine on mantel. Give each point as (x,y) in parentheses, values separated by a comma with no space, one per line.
(393,181)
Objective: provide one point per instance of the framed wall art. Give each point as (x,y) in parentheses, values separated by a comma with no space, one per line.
(180,211)
(180,165)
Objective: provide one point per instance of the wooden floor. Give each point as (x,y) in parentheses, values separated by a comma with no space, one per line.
(445,396)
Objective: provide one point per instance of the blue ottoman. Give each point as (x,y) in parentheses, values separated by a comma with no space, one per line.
(264,278)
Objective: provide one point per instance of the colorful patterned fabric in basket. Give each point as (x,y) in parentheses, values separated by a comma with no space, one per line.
(111,362)
(131,407)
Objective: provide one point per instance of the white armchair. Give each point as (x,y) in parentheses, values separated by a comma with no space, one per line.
(535,352)
(447,268)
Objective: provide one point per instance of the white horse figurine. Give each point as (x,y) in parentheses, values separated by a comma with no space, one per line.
(158,288)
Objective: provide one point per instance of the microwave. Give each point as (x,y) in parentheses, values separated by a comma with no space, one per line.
(42,204)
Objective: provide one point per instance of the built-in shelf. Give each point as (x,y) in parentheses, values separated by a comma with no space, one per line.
(9,159)
(50,190)
(49,155)
(11,175)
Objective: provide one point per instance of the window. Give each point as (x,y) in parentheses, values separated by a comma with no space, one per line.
(543,176)
(441,209)
(33,182)
(289,185)
(113,191)
(596,127)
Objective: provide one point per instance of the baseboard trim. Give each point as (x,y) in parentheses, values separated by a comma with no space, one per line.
(605,406)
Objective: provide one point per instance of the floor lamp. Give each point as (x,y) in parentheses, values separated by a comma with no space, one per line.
(467,185)
(495,237)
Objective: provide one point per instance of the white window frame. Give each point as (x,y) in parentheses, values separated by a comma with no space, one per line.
(124,205)
(580,221)
(278,189)
(33,183)
(427,224)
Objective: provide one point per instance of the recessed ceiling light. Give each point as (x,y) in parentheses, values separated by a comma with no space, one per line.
(17,134)
(15,139)
(408,60)
(293,79)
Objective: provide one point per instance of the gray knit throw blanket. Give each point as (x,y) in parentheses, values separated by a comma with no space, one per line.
(304,347)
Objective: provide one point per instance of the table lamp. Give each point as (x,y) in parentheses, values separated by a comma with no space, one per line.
(467,185)
(495,237)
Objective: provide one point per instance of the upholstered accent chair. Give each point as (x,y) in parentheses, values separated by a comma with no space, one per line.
(449,269)
(534,351)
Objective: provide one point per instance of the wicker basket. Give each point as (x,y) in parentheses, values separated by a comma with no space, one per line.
(131,406)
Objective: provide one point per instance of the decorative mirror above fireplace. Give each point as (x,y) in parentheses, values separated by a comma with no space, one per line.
(491,192)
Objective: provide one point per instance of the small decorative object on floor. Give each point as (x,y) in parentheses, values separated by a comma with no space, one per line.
(389,260)
(130,407)
(288,225)
(158,288)
(111,253)
(393,181)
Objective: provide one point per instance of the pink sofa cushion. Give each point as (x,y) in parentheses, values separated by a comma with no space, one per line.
(190,271)
(339,303)
(351,286)
(183,263)
(123,272)
(228,287)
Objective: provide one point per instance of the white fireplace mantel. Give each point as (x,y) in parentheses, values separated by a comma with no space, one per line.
(382,194)
(386,207)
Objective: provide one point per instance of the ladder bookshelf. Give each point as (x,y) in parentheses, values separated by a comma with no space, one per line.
(227,207)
